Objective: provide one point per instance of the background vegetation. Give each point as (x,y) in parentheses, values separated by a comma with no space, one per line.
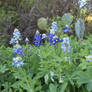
(24,14)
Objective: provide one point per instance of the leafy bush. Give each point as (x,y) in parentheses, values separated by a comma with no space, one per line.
(44,70)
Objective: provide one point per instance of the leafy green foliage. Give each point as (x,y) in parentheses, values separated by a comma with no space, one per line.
(47,68)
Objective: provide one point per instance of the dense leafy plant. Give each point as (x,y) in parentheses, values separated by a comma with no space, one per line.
(47,70)
(60,65)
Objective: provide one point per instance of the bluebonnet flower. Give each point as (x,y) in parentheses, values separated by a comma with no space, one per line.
(89,58)
(67,29)
(64,48)
(16,37)
(53,39)
(66,45)
(18,49)
(37,39)
(54,26)
(17,62)
(26,40)
(44,36)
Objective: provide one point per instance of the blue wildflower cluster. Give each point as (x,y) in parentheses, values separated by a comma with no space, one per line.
(67,29)
(18,62)
(16,37)
(54,26)
(37,39)
(17,49)
(53,39)
(66,47)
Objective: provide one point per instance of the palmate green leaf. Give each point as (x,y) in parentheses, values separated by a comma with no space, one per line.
(10,90)
(40,74)
(89,86)
(85,78)
(52,88)
(63,87)
(34,64)
(3,69)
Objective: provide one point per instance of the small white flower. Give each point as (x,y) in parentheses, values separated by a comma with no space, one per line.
(44,36)
(37,32)
(26,40)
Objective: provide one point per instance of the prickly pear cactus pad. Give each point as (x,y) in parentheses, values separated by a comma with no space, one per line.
(42,23)
(67,19)
(80,28)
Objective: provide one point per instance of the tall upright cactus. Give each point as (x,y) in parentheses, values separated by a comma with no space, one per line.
(80,28)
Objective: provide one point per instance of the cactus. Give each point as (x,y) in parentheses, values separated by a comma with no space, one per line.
(80,28)
(67,19)
(42,23)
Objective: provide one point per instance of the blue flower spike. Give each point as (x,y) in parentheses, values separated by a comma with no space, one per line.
(67,29)
(54,26)
(17,62)
(37,39)
(16,37)
(66,47)
(18,49)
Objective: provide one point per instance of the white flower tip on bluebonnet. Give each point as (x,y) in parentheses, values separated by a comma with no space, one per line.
(18,46)
(67,26)
(44,36)
(16,30)
(26,40)
(37,32)
(55,23)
